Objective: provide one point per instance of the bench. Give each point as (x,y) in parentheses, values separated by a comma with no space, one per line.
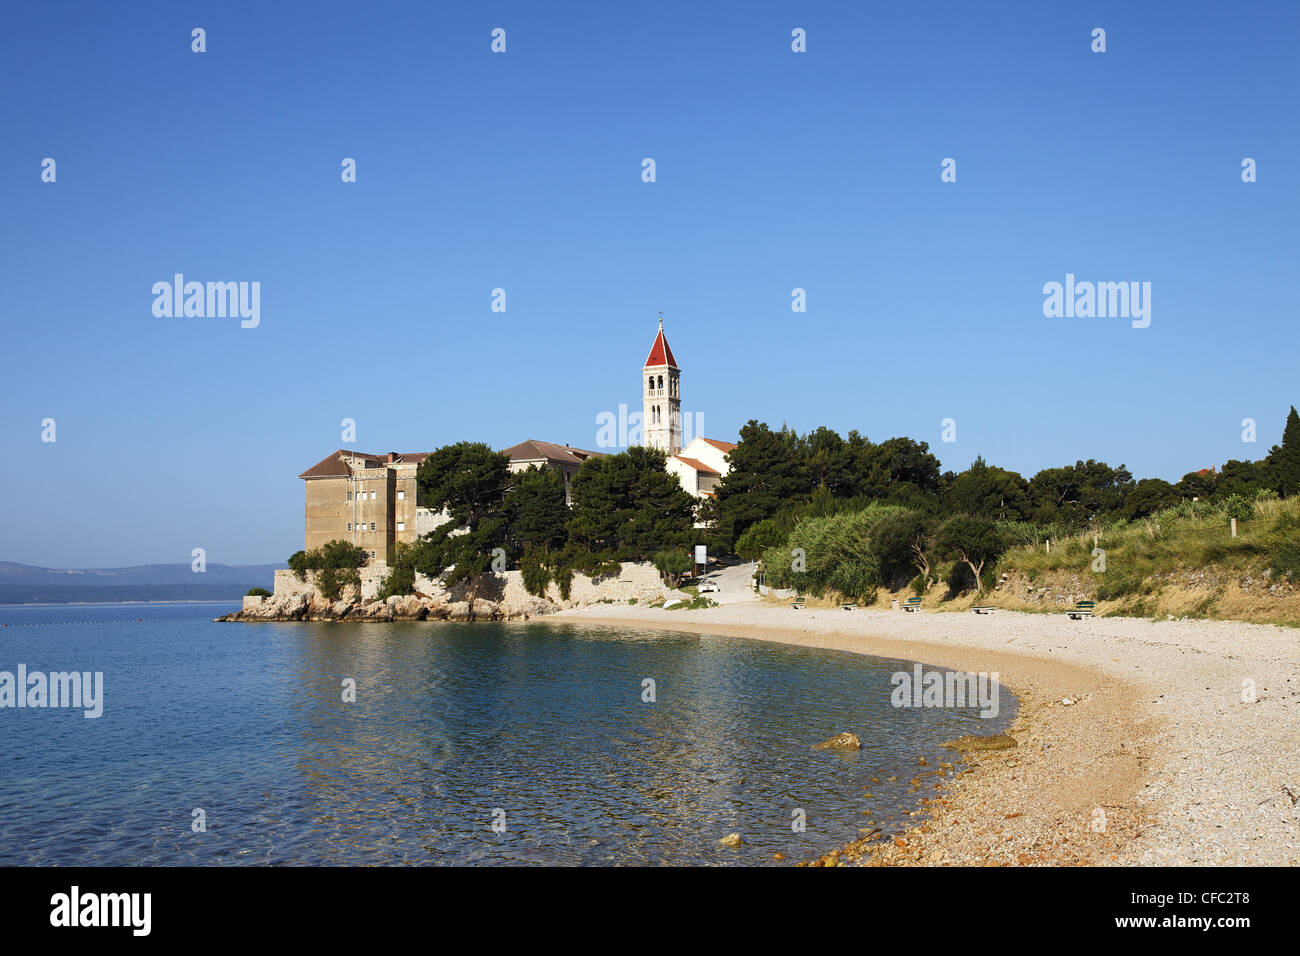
(797,604)
(984,609)
(848,607)
(1081,610)
(912,604)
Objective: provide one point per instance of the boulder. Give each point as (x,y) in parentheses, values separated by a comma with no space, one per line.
(845,741)
(408,608)
(732,840)
(378,611)
(485,610)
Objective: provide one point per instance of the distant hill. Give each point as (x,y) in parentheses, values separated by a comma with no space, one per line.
(28,584)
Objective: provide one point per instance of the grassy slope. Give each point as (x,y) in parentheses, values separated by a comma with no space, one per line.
(1182,564)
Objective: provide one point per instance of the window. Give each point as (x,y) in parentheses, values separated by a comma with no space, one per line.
(372,526)
(372,496)
(372,554)
(401,526)
(349,525)
(349,496)
(661,381)
(401,496)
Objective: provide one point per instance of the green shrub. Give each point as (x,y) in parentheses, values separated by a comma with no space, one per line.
(335,563)
(672,565)
(855,578)
(258,592)
(564,581)
(758,538)
(1284,544)
(1239,507)
(400,579)
(536,575)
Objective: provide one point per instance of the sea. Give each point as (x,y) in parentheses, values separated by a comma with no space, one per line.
(440,743)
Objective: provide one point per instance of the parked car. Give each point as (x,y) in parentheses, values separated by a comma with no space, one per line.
(708,587)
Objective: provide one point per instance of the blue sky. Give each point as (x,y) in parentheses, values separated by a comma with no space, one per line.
(522,171)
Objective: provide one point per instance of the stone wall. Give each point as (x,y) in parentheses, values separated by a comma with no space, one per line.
(497,596)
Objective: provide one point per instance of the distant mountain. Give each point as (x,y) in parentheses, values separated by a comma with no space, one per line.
(27,584)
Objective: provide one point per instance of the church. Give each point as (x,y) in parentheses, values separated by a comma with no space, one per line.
(703,462)
(699,466)
(370,500)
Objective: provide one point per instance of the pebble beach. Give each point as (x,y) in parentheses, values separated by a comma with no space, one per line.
(1137,742)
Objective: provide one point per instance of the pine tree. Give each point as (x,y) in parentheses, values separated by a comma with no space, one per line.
(1288,459)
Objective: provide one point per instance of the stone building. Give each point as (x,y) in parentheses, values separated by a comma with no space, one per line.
(368,500)
(544,454)
(701,465)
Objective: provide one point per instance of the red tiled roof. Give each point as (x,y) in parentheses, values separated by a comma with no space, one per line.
(725,446)
(335,465)
(532,450)
(660,353)
(697,465)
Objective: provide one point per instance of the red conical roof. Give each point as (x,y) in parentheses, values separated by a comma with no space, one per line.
(660,353)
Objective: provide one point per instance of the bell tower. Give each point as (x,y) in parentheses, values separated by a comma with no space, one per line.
(661,381)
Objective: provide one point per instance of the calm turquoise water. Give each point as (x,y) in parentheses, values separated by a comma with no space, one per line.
(450,722)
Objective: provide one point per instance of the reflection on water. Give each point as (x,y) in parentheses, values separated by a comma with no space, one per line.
(451,722)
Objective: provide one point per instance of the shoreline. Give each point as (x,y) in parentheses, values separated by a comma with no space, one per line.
(236,600)
(1156,759)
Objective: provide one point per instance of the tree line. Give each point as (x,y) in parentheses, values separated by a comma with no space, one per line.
(624,507)
(781,473)
(863,514)
(827,513)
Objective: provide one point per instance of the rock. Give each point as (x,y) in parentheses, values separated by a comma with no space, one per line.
(732,840)
(487,610)
(845,741)
(974,742)
(378,611)
(408,608)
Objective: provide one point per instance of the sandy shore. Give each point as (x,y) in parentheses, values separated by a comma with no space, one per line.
(1156,759)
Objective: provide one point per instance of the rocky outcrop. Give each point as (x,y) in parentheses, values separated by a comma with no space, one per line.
(496,597)
(844,741)
(299,607)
